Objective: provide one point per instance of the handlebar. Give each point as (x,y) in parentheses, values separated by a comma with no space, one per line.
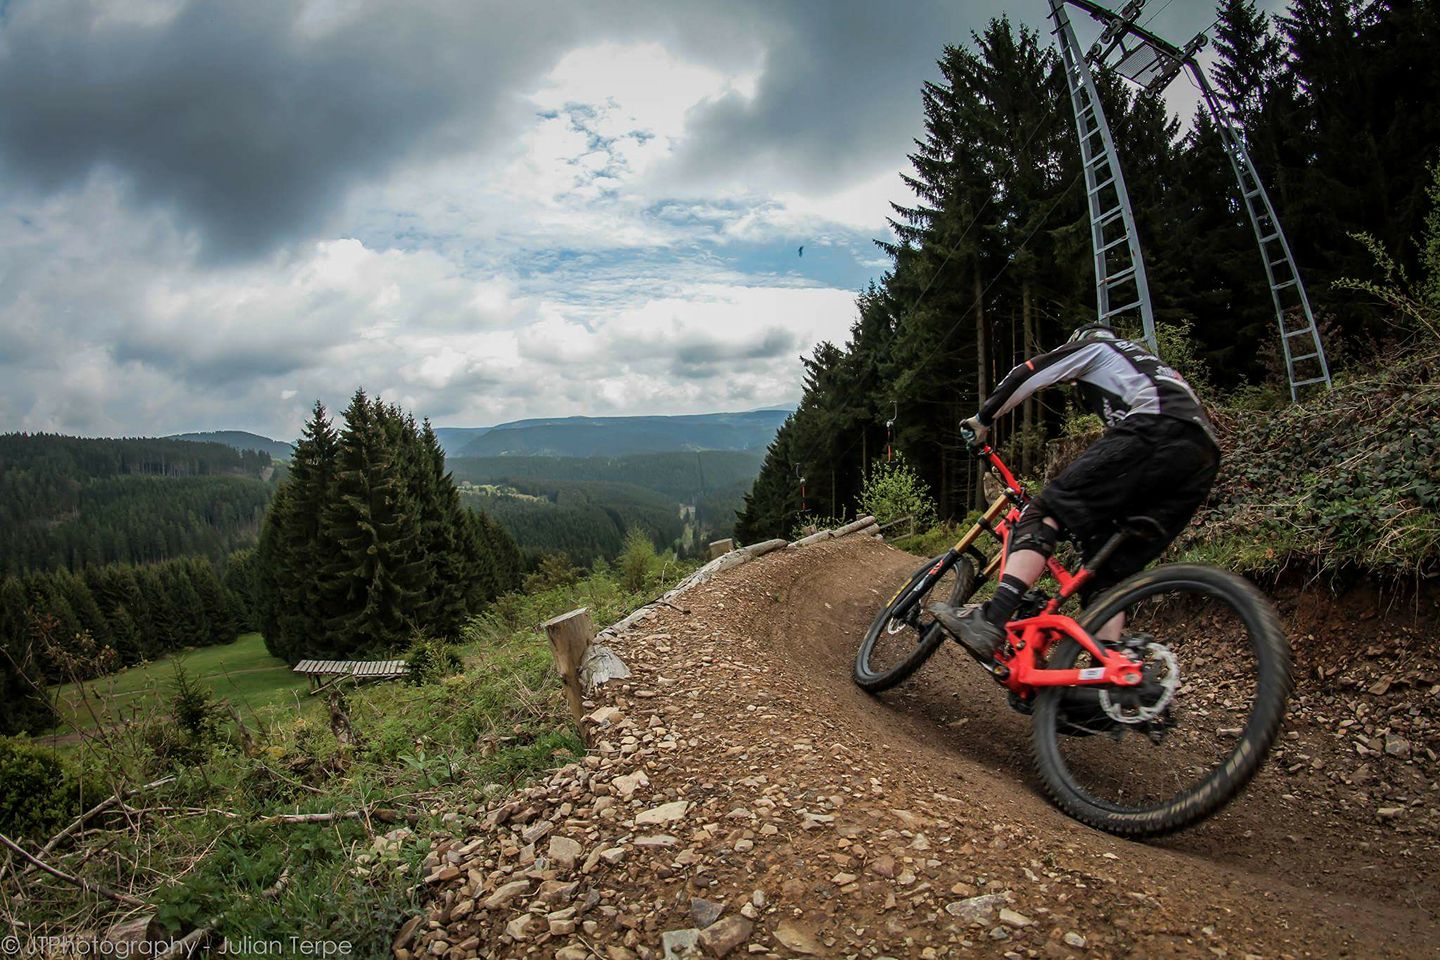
(985,452)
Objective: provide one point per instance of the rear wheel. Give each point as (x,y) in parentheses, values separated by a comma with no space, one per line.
(1168,754)
(905,635)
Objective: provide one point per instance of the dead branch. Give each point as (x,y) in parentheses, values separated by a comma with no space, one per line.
(99,808)
(80,882)
(385,816)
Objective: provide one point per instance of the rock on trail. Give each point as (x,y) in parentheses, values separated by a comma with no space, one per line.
(744,798)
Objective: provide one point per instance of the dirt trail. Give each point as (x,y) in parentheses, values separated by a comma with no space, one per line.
(740,769)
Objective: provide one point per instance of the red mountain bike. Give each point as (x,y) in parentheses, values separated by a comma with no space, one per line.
(1141,735)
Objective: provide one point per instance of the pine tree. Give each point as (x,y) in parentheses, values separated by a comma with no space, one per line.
(372,576)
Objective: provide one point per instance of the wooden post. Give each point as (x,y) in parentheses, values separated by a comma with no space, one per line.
(570,635)
(719,548)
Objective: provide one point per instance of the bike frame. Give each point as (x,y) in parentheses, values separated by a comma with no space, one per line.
(1028,641)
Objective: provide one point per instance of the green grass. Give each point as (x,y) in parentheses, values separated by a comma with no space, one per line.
(422,751)
(242,672)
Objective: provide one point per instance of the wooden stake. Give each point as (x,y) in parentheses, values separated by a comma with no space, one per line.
(570,636)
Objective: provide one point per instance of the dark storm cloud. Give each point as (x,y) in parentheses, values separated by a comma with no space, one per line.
(708,351)
(248,119)
(253,119)
(839,91)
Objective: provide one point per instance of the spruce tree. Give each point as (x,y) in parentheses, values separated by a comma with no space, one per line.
(372,573)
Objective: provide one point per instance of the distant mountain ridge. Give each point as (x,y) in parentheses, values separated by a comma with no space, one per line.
(568,436)
(615,436)
(240,440)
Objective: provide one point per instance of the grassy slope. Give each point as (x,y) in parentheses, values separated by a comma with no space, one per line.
(242,672)
(421,753)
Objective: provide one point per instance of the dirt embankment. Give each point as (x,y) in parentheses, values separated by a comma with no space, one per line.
(746,797)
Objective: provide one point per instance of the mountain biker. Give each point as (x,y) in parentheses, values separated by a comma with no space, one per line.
(1157,458)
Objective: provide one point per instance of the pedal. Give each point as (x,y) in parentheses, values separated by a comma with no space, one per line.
(1031,604)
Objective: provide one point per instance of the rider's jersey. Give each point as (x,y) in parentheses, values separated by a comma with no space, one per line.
(1115,378)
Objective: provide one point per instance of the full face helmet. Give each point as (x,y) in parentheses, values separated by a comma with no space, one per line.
(1092,331)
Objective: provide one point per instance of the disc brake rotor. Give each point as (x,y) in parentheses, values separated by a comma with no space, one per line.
(1154,694)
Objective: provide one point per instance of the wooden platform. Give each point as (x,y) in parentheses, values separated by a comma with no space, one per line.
(336,670)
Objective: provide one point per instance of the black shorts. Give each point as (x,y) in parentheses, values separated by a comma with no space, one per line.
(1145,465)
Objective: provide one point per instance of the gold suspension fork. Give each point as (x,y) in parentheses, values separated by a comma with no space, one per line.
(986,521)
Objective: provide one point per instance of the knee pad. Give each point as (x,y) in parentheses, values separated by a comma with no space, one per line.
(1033,533)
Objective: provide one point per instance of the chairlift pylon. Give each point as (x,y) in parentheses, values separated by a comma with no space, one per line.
(1151,63)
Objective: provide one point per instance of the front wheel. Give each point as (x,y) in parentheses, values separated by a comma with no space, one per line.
(904,635)
(1167,754)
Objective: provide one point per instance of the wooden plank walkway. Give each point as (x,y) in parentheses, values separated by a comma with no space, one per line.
(337,670)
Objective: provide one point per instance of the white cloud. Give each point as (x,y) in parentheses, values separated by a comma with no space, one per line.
(553,212)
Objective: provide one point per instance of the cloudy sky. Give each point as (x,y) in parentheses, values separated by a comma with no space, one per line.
(212,213)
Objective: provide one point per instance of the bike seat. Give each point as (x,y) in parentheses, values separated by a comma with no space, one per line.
(1143,528)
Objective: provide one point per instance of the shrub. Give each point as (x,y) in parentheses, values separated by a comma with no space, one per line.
(431,660)
(552,570)
(894,490)
(636,560)
(193,727)
(37,793)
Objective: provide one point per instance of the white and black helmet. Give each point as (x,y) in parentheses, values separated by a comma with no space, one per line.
(1093,331)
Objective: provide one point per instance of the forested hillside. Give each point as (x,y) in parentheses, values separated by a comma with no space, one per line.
(613,436)
(59,627)
(111,553)
(68,502)
(1340,106)
(583,506)
(241,440)
(586,521)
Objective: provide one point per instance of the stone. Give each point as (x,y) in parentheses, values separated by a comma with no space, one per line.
(680,944)
(723,936)
(564,852)
(883,866)
(797,938)
(556,892)
(1397,746)
(562,928)
(744,846)
(519,928)
(655,840)
(1014,919)
(443,874)
(503,895)
(606,715)
(1390,813)
(628,784)
(840,879)
(999,933)
(705,912)
(665,813)
(407,931)
(1073,939)
(537,831)
(572,952)
(975,909)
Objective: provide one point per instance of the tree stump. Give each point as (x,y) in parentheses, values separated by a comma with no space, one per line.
(570,635)
(721,547)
